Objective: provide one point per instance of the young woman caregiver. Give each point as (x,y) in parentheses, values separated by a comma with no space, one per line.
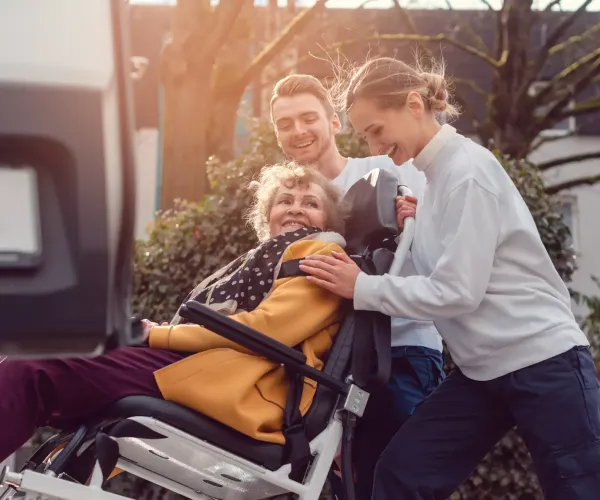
(488,283)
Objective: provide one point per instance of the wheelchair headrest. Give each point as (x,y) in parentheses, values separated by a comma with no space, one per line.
(372,217)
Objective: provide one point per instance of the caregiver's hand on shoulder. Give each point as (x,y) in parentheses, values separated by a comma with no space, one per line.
(406,206)
(338,274)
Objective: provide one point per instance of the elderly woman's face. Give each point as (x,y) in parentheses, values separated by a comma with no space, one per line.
(298,207)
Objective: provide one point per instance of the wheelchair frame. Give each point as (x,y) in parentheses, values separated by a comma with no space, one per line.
(245,480)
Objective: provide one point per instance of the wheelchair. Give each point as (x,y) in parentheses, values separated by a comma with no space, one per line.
(199,458)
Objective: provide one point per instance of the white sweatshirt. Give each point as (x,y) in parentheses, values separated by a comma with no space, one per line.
(405,332)
(486,279)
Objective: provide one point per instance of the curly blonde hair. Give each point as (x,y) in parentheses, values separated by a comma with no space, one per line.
(291,175)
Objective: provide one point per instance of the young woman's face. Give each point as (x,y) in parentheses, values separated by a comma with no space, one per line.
(393,132)
(298,207)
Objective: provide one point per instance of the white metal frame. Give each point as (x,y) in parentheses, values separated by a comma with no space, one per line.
(46,487)
(191,467)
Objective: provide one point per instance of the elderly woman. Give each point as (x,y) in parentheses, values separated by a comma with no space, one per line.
(190,365)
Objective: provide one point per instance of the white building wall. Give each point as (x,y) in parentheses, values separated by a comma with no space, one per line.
(583,203)
(146,143)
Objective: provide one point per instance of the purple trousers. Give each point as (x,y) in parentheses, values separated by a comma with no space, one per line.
(59,393)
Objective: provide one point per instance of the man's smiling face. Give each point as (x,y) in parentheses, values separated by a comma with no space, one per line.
(304,129)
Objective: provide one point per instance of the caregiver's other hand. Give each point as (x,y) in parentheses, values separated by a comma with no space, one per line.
(338,274)
(406,206)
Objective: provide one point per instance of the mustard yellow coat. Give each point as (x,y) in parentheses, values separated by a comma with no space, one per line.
(236,387)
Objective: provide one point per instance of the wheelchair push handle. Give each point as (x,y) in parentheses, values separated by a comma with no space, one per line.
(406,237)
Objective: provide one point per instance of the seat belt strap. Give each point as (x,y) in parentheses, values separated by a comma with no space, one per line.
(297,447)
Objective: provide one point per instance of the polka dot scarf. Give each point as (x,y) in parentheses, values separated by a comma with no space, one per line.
(243,284)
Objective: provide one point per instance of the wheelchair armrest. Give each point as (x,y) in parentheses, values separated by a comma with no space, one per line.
(258,343)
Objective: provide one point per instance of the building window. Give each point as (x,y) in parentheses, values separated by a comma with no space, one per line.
(563,128)
(567,207)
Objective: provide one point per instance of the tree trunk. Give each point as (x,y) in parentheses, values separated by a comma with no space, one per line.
(222,130)
(205,71)
(185,145)
(511,107)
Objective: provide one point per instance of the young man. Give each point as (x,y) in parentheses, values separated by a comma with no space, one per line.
(306,124)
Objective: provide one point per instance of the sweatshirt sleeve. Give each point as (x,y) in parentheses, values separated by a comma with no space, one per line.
(469,234)
(295,311)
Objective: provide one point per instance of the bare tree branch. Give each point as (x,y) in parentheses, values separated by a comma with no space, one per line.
(441,37)
(407,18)
(473,85)
(589,59)
(552,4)
(553,115)
(487,4)
(573,40)
(500,32)
(561,110)
(586,181)
(267,54)
(503,33)
(560,30)
(295,26)
(346,21)
(476,38)
(551,41)
(401,11)
(225,15)
(568,159)
(583,108)
(285,71)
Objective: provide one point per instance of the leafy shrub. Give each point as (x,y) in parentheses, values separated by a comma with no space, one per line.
(192,240)
(591,323)
(544,209)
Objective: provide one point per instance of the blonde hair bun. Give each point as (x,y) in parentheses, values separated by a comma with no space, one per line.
(437,91)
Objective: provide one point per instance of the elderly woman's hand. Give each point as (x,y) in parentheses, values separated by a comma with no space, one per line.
(338,274)
(148,325)
(406,206)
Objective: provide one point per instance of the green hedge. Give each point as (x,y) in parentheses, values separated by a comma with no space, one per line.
(191,241)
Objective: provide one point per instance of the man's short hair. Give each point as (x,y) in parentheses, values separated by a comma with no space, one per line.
(297,84)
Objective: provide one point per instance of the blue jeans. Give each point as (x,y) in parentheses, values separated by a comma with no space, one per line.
(555,405)
(416,372)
